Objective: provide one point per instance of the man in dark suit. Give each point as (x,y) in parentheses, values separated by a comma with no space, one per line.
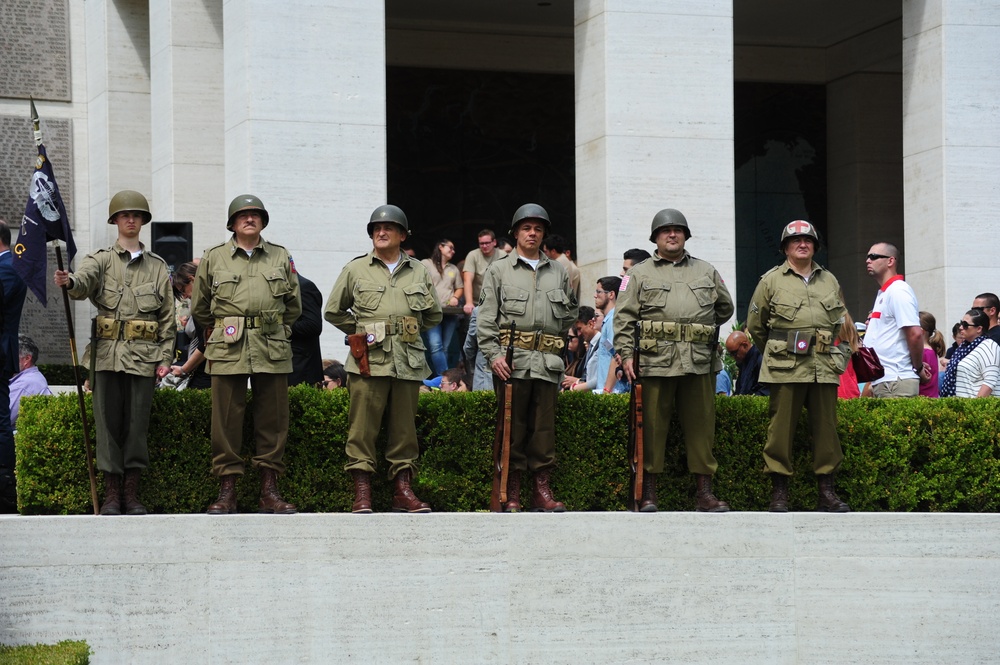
(12,291)
(307,359)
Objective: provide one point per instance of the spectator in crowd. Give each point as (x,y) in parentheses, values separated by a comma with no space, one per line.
(476,263)
(957,337)
(29,380)
(192,361)
(748,359)
(990,304)
(933,351)
(482,378)
(307,358)
(452,381)
(848,335)
(136,332)
(181,280)
(527,289)
(723,382)
(505,244)
(12,293)
(448,289)
(605,301)
(573,355)
(247,292)
(678,334)
(334,376)
(795,313)
(974,369)
(894,327)
(557,249)
(386,364)
(591,332)
(632,257)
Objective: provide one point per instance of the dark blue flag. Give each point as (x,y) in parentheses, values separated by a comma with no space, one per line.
(44,219)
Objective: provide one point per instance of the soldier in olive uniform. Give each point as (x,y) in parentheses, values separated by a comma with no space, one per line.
(794,318)
(130,288)
(246,298)
(679,302)
(528,289)
(384,299)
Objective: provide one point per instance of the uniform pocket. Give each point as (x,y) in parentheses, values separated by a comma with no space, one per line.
(110,295)
(776,355)
(785,305)
(653,296)
(224,285)
(832,302)
(367,295)
(704,291)
(147,297)
(277,282)
(415,357)
(146,352)
(559,302)
(554,363)
(418,298)
(513,301)
(279,349)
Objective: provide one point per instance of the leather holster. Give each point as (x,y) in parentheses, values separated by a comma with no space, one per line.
(359,349)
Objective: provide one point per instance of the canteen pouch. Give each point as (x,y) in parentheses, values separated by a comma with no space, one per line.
(799,342)
(271,322)
(410,329)
(824,341)
(359,350)
(232,329)
(374,333)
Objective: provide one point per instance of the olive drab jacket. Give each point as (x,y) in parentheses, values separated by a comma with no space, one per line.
(540,303)
(250,303)
(394,309)
(678,307)
(795,324)
(135,309)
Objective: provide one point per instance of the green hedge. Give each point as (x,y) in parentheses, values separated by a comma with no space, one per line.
(63,653)
(900,455)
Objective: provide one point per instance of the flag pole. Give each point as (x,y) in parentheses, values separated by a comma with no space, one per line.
(72,346)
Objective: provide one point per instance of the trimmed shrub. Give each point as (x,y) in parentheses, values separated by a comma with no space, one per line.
(899,455)
(64,653)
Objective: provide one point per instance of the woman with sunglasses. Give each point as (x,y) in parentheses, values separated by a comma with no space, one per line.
(974,369)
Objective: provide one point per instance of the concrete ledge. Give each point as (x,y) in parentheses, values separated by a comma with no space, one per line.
(482,588)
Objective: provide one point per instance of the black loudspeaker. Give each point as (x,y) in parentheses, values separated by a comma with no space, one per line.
(172,241)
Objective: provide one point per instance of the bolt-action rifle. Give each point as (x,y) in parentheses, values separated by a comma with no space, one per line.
(501,442)
(635,441)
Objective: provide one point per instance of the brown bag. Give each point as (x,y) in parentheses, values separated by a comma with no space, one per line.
(866,364)
(359,349)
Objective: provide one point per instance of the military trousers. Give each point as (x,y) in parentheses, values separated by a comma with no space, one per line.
(375,397)
(693,396)
(533,423)
(270,421)
(121,415)
(787,400)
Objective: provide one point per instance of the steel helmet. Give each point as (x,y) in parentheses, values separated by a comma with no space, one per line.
(246,202)
(668,217)
(128,199)
(530,211)
(798,228)
(389,213)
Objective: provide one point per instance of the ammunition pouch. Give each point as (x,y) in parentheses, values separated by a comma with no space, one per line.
(131,330)
(652,331)
(533,341)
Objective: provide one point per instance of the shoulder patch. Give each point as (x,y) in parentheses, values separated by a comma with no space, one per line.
(624,286)
(291,264)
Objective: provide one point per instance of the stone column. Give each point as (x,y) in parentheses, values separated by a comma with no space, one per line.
(864,176)
(951,152)
(188,150)
(305,126)
(654,127)
(117,106)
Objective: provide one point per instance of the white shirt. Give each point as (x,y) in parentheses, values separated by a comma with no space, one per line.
(895,308)
(981,366)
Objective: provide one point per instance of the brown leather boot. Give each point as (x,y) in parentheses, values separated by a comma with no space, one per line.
(779,493)
(270,498)
(132,505)
(112,494)
(226,503)
(705,501)
(403,499)
(829,502)
(513,504)
(648,502)
(541,499)
(362,492)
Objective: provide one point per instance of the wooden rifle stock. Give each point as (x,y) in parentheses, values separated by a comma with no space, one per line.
(501,442)
(635,439)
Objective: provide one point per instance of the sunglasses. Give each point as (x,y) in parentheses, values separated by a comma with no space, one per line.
(876,257)
(966,324)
